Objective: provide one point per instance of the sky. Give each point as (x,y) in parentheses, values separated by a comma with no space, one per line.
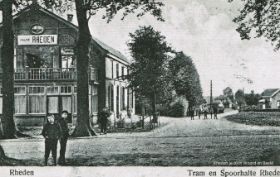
(203,29)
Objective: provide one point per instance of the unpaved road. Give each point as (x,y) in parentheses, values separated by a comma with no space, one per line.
(178,142)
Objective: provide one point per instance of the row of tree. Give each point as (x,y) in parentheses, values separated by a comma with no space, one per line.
(85,10)
(239,98)
(157,70)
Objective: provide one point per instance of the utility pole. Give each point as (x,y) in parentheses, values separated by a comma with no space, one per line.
(211,97)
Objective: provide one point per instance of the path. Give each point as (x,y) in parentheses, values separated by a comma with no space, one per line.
(180,141)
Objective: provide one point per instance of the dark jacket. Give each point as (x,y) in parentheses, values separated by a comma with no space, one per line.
(64,127)
(103,117)
(51,131)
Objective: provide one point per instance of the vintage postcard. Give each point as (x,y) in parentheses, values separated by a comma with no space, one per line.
(139,88)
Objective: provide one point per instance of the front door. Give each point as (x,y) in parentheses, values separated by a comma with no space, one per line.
(53,106)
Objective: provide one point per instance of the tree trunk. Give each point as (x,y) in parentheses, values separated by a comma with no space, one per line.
(7,56)
(83,127)
(2,153)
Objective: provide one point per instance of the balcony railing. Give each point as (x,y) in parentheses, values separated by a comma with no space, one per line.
(63,74)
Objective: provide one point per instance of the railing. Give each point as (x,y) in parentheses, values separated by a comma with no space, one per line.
(50,74)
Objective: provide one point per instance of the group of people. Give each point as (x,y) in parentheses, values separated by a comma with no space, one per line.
(54,131)
(204,110)
(103,118)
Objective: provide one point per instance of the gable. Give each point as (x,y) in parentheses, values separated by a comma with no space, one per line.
(270,92)
(36,14)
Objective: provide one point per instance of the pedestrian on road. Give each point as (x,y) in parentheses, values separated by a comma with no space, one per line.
(51,132)
(205,112)
(103,120)
(192,113)
(211,111)
(215,110)
(65,134)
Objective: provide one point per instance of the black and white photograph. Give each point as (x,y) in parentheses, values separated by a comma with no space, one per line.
(140,83)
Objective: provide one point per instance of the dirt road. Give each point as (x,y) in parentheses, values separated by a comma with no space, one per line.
(179,142)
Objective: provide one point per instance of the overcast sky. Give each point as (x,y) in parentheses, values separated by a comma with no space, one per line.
(204,30)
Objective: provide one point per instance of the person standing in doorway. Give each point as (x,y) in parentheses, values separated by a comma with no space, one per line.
(103,120)
(51,132)
(62,121)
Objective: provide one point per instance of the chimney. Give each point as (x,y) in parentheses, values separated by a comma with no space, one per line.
(70,17)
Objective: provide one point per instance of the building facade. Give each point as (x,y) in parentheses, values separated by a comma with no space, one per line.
(45,69)
(270,99)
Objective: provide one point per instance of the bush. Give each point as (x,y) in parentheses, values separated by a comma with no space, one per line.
(259,110)
(176,110)
(256,118)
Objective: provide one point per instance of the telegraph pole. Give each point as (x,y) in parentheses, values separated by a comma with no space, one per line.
(211,97)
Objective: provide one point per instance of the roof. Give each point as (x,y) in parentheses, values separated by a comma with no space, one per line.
(270,92)
(111,50)
(104,46)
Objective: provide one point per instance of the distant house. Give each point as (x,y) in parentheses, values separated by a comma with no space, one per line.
(270,99)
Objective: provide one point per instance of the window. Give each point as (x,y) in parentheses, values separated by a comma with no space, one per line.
(94,99)
(52,90)
(65,89)
(109,97)
(75,103)
(20,90)
(36,90)
(67,62)
(20,100)
(117,71)
(67,103)
(122,71)
(122,104)
(118,101)
(112,69)
(53,104)
(37,104)
(37,101)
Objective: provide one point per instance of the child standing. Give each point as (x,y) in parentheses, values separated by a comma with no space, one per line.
(63,140)
(51,132)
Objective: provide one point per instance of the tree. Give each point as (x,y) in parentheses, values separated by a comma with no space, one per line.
(85,9)
(259,18)
(7,57)
(228,93)
(148,70)
(240,97)
(185,78)
(252,98)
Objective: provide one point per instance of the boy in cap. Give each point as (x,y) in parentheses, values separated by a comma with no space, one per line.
(65,134)
(51,132)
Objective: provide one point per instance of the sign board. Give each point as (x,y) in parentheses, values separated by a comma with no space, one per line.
(37,29)
(37,39)
(67,51)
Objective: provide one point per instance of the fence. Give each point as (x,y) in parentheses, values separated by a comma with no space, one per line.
(135,123)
